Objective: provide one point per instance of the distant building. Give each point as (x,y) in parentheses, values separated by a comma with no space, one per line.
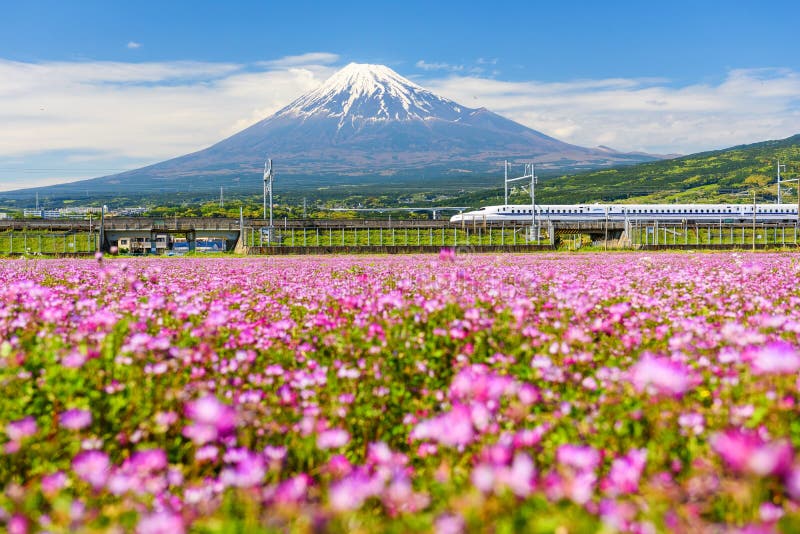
(74,212)
(43,214)
(143,245)
(79,211)
(3,215)
(128,212)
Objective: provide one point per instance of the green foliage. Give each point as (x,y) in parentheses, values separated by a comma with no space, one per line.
(729,175)
(710,176)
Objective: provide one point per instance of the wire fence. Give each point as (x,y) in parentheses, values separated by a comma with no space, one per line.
(734,235)
(443,236)
(50,243)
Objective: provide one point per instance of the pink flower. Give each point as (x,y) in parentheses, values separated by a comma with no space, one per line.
(744,451)
(581,487)
(578,457)
(483,478)
(447,255)
(451,428)
(93,467)
(769,513)
(519,476)
(208,410)
(338,465)
(163,522)
(74,360)
(351,492)
(399,496)
(777,357)
(206,453)
(617,515)
(18,524)
(660,375)
(249,470)
(166,419)
(333,439)
(792,482)
(379,453)
(692,422)
(293,490)
(625,473)
(211,418)
(21,428)
(200,434)
(147,461)
(75,419)
(53,483)
(449,524)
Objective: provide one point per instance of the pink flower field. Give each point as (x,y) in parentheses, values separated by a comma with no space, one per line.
(538,393)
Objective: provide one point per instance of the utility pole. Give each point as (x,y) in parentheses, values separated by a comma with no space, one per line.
(754,221)
(304,207)
(505,183)
(268,179)
(779,179)
(529,172)
(102,246)
(533,201)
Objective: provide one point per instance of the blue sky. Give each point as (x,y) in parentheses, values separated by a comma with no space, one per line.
(90,87)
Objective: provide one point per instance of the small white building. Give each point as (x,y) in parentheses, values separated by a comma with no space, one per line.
(3,215)
(143,245)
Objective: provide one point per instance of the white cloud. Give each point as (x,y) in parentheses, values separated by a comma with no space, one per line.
(130,114)
(85,119)
(644,114)
(311,58)
(133,45)
(424,65)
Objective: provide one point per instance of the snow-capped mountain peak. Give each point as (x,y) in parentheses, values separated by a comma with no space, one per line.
(361,93)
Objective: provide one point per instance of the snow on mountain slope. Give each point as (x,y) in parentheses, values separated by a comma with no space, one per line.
(362,92)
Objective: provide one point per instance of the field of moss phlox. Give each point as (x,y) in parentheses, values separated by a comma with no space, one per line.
(572,393)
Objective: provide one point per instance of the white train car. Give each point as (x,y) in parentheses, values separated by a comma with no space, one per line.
(621,212)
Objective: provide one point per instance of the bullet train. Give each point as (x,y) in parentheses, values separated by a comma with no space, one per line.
(621,212)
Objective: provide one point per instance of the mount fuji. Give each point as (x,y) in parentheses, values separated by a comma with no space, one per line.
(366,122)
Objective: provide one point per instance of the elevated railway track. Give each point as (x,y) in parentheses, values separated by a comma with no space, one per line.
(321,236)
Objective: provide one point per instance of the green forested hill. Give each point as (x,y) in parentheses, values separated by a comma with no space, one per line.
(728,175)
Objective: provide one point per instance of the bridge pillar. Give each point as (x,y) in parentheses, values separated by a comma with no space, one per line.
(241,245)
